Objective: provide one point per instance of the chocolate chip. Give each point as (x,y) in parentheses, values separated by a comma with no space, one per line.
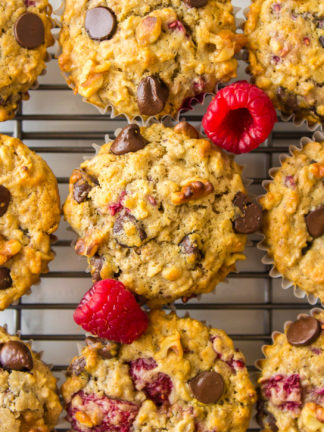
(29,30)
(15,355)
(134,239)
(77,366)
(304,331)
(288,99)
(5,278)
(207,387)
(5,196)
(251,218)
(321,41)
(152,94)
(96,263)
(189,246)
(196,3)
(100,23)
(83,186)
(315,222)
(129,140)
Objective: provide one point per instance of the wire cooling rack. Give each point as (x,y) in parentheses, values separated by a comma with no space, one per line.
(61,128)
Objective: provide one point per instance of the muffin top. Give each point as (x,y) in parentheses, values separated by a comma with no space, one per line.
(291,385)
(25,35)
(179,375)
(29,213)
(286,54)
(293,222)
(164,212)
(28,395)
(147,57)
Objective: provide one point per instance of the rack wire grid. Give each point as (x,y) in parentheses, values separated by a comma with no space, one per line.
(61,128)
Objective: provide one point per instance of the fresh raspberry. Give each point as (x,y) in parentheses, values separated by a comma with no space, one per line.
(90,413)
(110,311)
(157,387)
(239,118)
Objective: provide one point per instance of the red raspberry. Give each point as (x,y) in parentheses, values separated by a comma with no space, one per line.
(110,311)
(113,415)
(239,118)
(157,387)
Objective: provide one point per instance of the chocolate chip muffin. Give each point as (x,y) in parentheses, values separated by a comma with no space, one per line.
(25,35)
(286,55)
(147,58)
(162,210)
(293,222)
(178,376)
(28,395)
(291,385)
(29,213)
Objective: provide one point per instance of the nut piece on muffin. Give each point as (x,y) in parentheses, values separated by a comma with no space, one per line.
(286,55)
(179,375)
(293,222)
(148,58)
(28,391)
(291,387)
(25,36)
(162,210)
(29,214)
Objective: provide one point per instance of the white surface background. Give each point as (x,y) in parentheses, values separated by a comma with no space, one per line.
(249,316)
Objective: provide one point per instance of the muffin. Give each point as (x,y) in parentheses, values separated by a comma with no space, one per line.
(286,55)
(162,210)
(25,35)
(29,213)
(293,222)
(179,376)
(28,395)
(147,58)
(291,393)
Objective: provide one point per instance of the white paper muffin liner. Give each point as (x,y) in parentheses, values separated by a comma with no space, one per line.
(262,245)
(190,102)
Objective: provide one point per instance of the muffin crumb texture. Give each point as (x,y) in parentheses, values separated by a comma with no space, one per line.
(293,221)
(286,55)
(155,209)
(179,376)
(147,58)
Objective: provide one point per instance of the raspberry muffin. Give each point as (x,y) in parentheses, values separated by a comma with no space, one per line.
(29,213)
(293,222)
(25,35)
(162,210)
(291,385)
(286,54)
(147,58)
(178,376)
(28,394)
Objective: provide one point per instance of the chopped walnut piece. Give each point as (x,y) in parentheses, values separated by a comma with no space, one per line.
(149,30)
(8,249)
(192,191)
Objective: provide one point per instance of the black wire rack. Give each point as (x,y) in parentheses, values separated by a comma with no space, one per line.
(268,305)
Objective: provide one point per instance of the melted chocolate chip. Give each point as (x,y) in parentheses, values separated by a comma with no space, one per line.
(315,222)
(5,278)
(207,387)
(134,239)
(152,94)
(77,366)
(196,3)
(288,99)
(304,331)
(129,140)
(321,41)
(5,196)
(251,218)
(189,246)
(15,355)
(96,263)
(100,23)
(29,30)
(81,190)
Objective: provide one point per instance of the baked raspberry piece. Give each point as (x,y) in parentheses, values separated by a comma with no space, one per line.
(110,311)
(284,392)
(239,118)
(156,386)
(91,413)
